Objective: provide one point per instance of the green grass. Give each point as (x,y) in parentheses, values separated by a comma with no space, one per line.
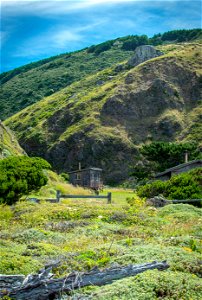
(84,233)
(119,195)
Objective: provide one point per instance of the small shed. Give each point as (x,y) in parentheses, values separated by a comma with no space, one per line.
(185,167)
(89,177)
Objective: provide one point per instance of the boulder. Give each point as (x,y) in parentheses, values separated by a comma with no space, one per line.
(143,53)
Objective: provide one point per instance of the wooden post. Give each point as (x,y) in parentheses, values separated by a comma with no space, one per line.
(58,196)
(109,198)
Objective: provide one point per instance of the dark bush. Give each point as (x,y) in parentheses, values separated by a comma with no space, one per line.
(21,175)
(183,186)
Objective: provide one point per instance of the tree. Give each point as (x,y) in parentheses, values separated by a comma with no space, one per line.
(21,175)
(166,155)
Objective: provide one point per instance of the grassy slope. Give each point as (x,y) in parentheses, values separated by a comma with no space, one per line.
(56,182)
(84,234)
(8,143)
(34,84)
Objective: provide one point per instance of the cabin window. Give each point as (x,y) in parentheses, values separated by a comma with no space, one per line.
(78,176)
(95,176)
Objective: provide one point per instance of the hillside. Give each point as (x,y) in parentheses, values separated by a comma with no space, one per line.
(28,84)
(103,118)
(8,143)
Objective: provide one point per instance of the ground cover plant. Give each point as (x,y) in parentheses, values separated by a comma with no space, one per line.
(82,234)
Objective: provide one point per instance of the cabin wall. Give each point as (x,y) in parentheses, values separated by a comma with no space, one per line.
(86,178)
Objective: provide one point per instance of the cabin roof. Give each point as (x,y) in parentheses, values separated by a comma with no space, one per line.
(179,167)
(86,169)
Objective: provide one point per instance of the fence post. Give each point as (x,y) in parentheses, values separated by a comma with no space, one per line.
(58,196)
(109,198)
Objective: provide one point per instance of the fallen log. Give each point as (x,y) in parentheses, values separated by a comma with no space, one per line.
(42,286)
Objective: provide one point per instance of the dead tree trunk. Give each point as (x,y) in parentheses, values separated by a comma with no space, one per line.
(43,287)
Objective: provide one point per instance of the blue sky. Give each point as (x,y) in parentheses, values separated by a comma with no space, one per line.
(35,29)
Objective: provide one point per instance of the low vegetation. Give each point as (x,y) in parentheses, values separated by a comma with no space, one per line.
(84,234)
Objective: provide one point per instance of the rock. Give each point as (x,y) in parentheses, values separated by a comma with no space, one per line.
(119,68)
(129,78)
(143,53)
(157,201)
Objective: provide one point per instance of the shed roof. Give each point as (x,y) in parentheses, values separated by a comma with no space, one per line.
(90,168)
(179,167)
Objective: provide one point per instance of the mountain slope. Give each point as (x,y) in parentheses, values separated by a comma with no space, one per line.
(102,119)
(28,84)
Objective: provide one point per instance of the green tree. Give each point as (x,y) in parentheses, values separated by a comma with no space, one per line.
(166,155)
(21,175)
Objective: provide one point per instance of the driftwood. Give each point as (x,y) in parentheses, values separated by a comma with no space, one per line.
(42,286)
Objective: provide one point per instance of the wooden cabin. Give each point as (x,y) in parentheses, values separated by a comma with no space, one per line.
(89,178)
(167,174)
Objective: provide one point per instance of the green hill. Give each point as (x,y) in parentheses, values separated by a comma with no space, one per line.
(28,84)
(103,118)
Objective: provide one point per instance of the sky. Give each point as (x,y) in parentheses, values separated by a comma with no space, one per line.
(33,29)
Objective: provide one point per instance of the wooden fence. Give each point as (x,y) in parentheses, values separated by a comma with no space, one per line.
(59,196)
(185,201)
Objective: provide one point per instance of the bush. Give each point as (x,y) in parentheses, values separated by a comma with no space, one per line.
(19,176)
(182,186)
(167,155)
(65,176)
(134,41)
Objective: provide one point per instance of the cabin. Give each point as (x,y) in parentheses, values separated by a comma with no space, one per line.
(185,167)
(89,178)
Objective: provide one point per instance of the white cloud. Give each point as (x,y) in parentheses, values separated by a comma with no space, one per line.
(59,39)
(53,7)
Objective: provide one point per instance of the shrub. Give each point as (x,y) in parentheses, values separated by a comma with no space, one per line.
(182,186)
(65,176)
(166,155)
(19,176)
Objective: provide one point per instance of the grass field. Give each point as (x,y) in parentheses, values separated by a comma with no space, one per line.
(118,195)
